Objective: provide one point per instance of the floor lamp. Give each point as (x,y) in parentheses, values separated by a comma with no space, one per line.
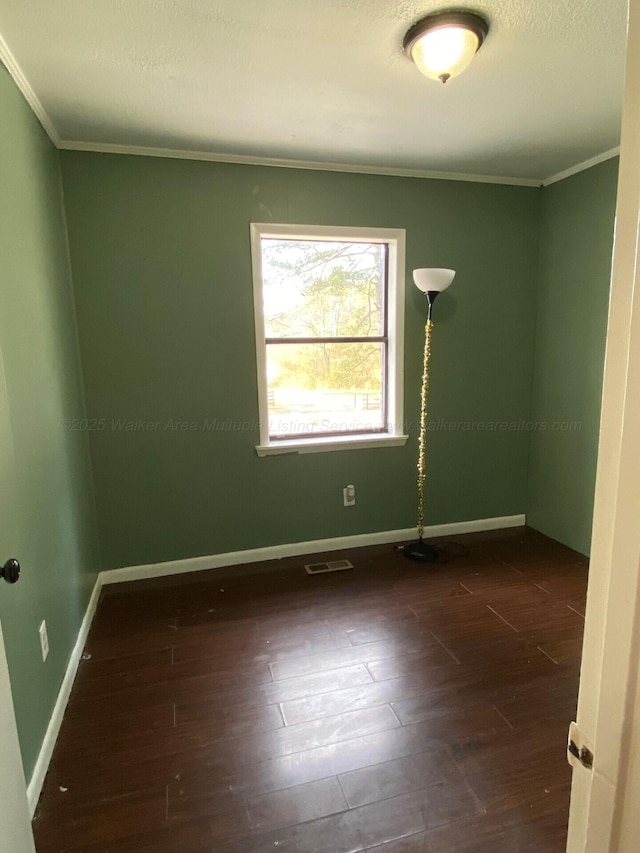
(431,282)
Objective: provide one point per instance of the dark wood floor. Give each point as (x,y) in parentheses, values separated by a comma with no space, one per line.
(397,707)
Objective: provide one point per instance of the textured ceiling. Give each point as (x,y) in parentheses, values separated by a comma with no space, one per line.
(301,80)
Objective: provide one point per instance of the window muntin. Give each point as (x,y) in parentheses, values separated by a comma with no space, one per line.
(329,310)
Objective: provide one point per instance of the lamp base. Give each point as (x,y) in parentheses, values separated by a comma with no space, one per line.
(421,551)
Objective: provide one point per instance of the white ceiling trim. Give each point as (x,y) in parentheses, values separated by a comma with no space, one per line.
(581,167)
(107,148)
(23,84)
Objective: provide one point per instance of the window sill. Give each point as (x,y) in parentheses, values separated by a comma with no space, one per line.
(322,444)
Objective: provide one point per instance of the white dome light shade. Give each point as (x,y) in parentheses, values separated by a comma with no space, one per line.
(446,51)
(433,279)
(443,45)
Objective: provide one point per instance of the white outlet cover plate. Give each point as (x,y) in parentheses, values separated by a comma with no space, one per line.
(44,641)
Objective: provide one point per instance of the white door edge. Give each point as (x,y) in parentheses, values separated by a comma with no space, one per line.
(599,815)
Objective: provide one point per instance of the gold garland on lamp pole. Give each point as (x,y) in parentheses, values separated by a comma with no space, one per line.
(422,447)
(431,281)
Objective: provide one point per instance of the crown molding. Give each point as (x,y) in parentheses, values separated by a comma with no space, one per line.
(209,156)
(581,167)
(11,64)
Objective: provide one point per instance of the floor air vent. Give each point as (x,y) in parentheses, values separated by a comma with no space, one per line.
(331,566)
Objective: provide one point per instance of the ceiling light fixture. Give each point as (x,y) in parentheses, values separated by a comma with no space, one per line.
(443,44)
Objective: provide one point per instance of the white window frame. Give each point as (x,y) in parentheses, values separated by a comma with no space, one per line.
(395,240)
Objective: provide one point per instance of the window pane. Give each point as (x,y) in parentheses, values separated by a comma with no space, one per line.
(323,289)
(320,388)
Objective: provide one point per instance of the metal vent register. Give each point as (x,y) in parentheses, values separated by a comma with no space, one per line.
(331,566)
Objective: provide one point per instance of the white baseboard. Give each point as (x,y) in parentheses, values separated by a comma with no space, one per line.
(46,751)
(295,549)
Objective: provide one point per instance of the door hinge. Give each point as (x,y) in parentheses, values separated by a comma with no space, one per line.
(578,752)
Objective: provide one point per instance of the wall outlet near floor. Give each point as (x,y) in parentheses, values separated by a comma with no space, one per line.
(349,495)
(44,640)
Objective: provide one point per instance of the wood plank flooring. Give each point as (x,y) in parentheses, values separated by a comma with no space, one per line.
(395,708)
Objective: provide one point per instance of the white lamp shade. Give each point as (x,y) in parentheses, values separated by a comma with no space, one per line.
(433,278)
(445,52)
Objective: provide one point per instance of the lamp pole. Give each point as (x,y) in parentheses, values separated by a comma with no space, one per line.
(431,282)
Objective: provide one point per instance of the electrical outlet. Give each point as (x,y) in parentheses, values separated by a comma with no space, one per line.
(349,495)
(44,640)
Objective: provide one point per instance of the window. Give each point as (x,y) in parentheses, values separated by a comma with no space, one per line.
(329,310)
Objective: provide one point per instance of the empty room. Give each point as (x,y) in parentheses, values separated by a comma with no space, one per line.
(319,336)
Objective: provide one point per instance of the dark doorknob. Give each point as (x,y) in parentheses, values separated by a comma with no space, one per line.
(10,571)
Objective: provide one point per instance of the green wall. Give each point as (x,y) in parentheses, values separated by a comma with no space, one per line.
(576,240)
(163,296)
(162,275)
(47,514)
